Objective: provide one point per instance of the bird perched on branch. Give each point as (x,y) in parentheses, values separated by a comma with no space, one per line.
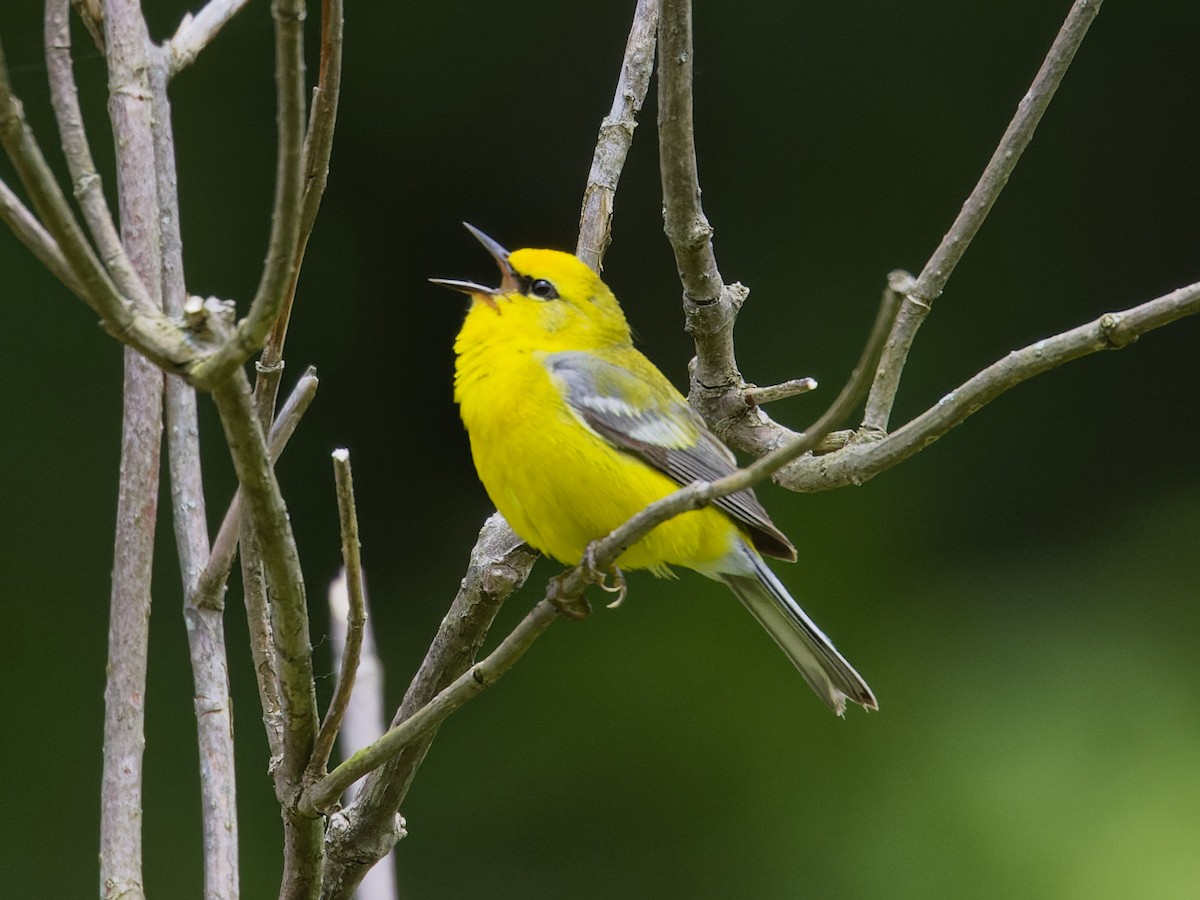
(573,431)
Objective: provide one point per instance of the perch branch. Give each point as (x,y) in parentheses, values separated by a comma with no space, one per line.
(932,280)
(324,794)
(367,829)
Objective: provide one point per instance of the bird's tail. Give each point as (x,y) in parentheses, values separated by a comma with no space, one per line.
(825,670)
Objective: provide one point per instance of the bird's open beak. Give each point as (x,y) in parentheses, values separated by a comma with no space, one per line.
(508,278)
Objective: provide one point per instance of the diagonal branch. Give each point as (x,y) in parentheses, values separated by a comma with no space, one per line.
(86,182)
(29,231)
(616,136)
(932,280)
(859,461)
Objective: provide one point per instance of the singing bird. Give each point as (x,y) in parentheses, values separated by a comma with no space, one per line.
(573,430)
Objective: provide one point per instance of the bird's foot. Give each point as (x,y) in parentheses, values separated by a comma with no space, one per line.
(593,575)
(570,604)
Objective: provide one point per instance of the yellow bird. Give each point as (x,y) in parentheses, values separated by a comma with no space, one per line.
(573,431)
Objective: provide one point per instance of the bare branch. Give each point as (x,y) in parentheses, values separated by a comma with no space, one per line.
(143,327)
(792,388)
(282,250)
(616,136)
(355,619)
(210,585)
(29,231)
(86,182)
(318,145)
(272,531)
(363,723)
(129,633)
(323,795)
(130,109)
(710,306)
(937,271)
(197,32)
(860,461)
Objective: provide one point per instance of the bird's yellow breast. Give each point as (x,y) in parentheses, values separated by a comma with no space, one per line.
(558,483)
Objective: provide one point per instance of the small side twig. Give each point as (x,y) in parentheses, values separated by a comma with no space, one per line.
(793,388)
(195,32)
(355,619)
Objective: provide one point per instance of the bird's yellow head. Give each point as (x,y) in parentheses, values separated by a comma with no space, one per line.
(547,300)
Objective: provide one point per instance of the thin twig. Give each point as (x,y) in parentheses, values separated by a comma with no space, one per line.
(318,145)
(355,619)
(144,328)
(29,231)
(860,461)
(932,280)
(616,136)
(86,181)
(772,393)
(195,32)
(210,587)
(284,242)
(205,625)
(364,721)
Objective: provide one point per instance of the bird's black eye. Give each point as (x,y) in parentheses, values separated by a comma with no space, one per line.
(542,289)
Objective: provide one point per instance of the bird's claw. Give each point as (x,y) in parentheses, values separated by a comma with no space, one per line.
(593,575)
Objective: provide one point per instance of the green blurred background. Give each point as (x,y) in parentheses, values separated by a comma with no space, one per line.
(1021,596)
